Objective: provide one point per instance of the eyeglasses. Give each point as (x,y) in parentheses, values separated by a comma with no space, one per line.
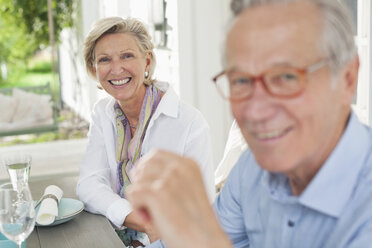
(282,81)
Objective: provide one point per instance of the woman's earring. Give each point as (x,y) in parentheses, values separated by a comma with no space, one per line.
(146,74)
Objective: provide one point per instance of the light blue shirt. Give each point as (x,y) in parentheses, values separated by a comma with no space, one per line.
(256,208)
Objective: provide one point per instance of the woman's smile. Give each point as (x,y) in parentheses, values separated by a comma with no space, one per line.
(119,82)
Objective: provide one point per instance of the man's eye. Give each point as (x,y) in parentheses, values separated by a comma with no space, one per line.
(288,77)
(241,81)
(284,77)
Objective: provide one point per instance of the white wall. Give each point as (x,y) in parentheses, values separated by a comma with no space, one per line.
(75,89)
(200,38)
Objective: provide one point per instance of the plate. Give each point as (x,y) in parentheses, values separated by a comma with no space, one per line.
(68,208)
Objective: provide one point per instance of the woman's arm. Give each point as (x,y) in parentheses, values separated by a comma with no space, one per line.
(95,183)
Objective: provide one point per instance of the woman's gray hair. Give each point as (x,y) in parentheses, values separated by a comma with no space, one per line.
(113,25)
(337,42)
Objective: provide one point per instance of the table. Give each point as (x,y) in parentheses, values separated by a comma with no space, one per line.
(85,230)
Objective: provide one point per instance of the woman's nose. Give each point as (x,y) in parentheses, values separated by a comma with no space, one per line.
(117,67)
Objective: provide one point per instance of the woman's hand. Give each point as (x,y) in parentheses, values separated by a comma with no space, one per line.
(168,191)
(134,221)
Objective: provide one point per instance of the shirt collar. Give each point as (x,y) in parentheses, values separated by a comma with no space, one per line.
(333,185)
(168,105)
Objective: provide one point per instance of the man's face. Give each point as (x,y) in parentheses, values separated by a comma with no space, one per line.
(287,134)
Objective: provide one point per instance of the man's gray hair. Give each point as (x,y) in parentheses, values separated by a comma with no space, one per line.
(337,42)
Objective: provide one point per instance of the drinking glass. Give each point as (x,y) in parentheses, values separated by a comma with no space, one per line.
(18,166)
(17,213)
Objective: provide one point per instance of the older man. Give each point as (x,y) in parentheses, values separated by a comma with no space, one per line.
(291,70)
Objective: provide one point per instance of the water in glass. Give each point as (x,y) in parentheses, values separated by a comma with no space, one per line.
(18,167)
(17,213)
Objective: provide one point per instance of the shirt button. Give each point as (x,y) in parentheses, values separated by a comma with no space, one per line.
(291,223)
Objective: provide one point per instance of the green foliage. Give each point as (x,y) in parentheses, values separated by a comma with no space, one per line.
(24,26)
(40,138)
(15,43)
(35,16)
(37,74)
(41,67)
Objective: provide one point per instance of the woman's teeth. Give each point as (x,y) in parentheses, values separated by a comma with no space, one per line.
(120,82)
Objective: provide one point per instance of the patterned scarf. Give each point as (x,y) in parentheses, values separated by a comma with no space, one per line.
(129,149)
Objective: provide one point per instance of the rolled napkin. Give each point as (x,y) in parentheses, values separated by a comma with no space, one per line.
(49,205)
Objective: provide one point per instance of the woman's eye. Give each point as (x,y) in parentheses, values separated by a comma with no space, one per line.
(103,60)
(127,55)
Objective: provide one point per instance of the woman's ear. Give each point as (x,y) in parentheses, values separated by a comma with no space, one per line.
(148,61)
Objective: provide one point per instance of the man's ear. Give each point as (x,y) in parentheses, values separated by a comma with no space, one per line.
(350,78)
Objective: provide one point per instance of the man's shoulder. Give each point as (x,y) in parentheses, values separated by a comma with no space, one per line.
(246,160)
(355,223)
(246,171)
(365,175)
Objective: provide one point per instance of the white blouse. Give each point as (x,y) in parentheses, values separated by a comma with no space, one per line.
(175,126)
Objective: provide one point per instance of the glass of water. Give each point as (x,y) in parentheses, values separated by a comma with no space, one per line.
(18,166)
(17,212)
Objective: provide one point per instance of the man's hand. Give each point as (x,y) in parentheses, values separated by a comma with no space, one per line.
(169,193)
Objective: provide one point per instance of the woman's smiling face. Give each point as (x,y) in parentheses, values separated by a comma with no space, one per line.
(120,66)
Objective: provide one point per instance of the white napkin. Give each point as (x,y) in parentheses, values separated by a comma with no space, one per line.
(49,206)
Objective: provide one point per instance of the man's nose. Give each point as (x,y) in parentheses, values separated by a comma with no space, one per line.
(259,106)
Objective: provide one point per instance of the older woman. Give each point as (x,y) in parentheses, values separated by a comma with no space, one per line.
(139,115)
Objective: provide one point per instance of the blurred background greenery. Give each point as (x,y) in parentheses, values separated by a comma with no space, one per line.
(24,34)
(26,53)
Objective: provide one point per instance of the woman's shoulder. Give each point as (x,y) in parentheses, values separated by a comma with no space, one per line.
(104,102)
(103,108)
(174,107)
(187,110)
